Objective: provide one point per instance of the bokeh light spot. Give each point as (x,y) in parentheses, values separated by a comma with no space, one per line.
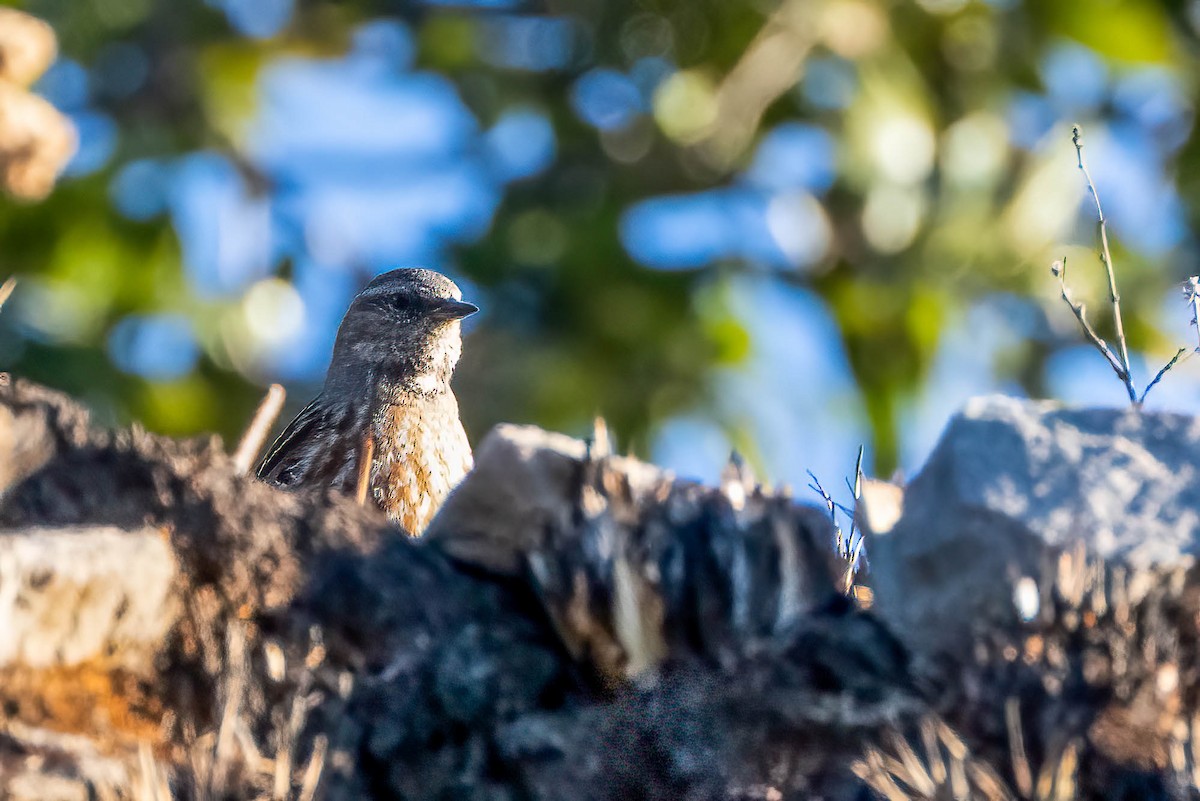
(528,43)
(273,312)
(798,224)
(97,142)
(685,105)
(537,238)
(794,156)
(829,83)
(606,99)
(520,144)
(258,19)
(892,217)
(902,148)
(139,189)
(159,346)
(975,150)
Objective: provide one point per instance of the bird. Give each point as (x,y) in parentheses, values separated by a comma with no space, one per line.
(385,425)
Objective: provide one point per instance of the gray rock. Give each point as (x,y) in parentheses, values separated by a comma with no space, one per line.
(525,483)
(1013,482)
(631,564)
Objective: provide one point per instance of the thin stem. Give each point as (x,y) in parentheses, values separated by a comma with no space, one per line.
(856,491)
(256,433)
(832,506)
(1060,269)
(846,510)
(6,289)
(366,461)
(852,565)
(1106,260)
(856,552)
(1191,290)
(1161,373)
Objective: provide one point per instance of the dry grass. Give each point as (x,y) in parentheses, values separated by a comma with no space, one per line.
(228,762)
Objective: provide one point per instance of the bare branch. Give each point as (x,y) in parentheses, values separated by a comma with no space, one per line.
(366,462)
(832,506)
(1161,373)
(1106,260)
(857,546)
(1059,268)
(1191,291)
(856,491)
(848,547)
(1191,288)
(852,563)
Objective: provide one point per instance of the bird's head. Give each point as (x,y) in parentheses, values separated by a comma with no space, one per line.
(402,327)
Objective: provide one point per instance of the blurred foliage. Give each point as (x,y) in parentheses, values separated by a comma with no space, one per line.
(950,179)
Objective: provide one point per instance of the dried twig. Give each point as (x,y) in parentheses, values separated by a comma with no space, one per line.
(289,732)
(312,773)
(857,546)
(256,433)
(948,770)
(1106,260)
(599,444)
(1119,363)
(235,684)
(1190,288)
(151,782)
(1158,376)
(366,461)
(832,506)
(6,289)
(848,547)
(856,490)
(1016,747)
(1191,292)
(1059,268)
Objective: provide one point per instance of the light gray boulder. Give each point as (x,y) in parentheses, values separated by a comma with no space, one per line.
(525,483)
(1011,484)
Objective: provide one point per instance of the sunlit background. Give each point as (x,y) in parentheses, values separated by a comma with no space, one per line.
(785,226)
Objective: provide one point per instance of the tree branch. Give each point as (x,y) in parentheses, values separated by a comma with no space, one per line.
(1059,268)
(832,506)
(1191,291)
(1106,260)
(1161,373)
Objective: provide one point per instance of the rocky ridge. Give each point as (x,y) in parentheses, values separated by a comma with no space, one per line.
(582,625)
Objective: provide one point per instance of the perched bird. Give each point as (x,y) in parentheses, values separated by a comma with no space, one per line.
(386,424)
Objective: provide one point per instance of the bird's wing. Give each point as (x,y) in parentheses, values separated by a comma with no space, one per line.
(284,450)
(309,451)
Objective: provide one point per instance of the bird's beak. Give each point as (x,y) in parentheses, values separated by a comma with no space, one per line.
(453,309)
